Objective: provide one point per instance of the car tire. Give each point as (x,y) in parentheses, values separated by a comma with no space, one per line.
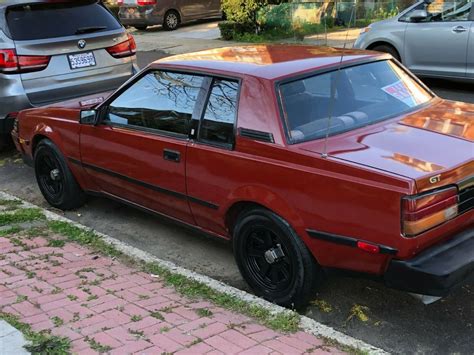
(288,280)
(171,20)
(141,27)
(386,48)
(55,179)
(6,143)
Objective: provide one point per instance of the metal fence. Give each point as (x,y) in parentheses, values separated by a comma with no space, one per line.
(329,13)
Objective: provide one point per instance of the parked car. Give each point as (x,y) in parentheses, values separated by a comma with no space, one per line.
(432,39)
(54,51)
(169,13)
(307,158)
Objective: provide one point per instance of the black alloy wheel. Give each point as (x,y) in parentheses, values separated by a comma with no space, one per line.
(55,179)
(274,260)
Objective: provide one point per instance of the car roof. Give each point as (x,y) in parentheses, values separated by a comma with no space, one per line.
(267,61)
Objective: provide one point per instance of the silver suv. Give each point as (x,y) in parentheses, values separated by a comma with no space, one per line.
(431,38)
(53,51)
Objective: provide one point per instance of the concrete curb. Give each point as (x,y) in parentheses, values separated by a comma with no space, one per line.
(308,325)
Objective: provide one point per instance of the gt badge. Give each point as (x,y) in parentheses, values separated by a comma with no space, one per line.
(435,179)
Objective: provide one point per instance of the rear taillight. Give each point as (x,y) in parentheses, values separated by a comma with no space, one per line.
(124,49)
(11,63)
(426,211)
(146,2)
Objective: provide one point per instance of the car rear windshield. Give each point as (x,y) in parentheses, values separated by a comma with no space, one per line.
(50,20)
(346,99)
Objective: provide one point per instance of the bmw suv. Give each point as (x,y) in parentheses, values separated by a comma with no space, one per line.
(53,51)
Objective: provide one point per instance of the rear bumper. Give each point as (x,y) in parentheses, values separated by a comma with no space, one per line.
(437,270)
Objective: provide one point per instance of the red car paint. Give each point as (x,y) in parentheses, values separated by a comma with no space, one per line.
(355,191)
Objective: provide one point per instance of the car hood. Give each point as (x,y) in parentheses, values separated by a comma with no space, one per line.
(437,140)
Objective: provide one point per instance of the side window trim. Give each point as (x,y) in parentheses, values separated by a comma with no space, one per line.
(197,138)
(103,108)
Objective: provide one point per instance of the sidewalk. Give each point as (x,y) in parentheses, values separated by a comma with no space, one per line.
(203,36)
(101,305)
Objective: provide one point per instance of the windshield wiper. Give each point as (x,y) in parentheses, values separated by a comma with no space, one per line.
(91,29)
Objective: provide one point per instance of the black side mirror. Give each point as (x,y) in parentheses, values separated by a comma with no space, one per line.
(88,117)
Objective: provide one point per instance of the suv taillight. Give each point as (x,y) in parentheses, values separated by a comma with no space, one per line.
(11,63)
(426,211)
(124,49)
(146,2)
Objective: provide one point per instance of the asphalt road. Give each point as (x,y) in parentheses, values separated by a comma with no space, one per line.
(361,308)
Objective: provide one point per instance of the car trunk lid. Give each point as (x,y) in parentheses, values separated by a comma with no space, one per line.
(433,146)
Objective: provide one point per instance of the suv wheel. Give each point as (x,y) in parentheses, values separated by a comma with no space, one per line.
(171,21)
(55,180)
(274,260)
(386,48)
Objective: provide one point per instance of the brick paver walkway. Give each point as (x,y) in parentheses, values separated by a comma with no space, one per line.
(103,305)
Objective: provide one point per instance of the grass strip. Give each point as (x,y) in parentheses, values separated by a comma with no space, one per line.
(21,216)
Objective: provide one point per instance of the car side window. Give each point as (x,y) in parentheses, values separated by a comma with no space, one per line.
(217,125)
(162,101)
(446,11)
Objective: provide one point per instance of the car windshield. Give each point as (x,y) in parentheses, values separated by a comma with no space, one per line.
(347,99)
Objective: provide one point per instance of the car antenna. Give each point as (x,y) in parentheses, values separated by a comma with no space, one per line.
(334,88)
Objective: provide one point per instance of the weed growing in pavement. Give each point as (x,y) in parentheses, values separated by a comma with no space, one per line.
(40,342)
(136,318)
(157,315)
(21,298)
(100,348)
(203,312)
(57,321)
(72,297)
(344,348)
(167,309)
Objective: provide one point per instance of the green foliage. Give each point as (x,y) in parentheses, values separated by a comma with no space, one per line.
(242,11)
(231,30)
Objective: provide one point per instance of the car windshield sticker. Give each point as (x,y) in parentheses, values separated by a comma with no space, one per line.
(401,92)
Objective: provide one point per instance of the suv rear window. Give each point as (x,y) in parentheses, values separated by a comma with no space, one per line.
(49,20)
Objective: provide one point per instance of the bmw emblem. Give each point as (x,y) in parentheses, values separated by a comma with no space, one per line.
(81,44)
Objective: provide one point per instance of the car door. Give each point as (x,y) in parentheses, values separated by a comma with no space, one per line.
(470,48)
(137,152)
(211,158)
(438,45)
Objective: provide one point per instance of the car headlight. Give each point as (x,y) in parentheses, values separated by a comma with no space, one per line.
(365,30)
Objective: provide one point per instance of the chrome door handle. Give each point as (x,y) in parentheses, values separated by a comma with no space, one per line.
(459,29)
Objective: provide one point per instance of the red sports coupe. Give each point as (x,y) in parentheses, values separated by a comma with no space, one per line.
(306,158)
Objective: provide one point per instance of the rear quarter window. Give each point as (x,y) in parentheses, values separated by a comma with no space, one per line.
(50,20)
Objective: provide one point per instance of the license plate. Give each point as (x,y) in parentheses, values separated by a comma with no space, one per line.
(82,60)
